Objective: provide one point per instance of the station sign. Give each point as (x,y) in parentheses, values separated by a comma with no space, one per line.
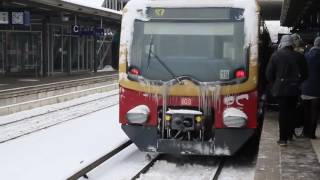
(15,18)
(87,31)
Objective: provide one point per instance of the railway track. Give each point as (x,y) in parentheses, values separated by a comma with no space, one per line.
(147,167)
(83,172)
(23,91)
(21,127)
(215,176)
(218,165)
(219,169)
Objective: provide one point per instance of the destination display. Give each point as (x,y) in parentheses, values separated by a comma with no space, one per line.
(196,13)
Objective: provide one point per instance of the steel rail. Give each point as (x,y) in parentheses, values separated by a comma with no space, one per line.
(83,172)
(219,170)
(147,167)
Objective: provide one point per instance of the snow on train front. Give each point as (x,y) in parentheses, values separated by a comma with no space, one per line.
(188,75)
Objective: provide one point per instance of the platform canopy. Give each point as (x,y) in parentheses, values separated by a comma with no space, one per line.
(295,12)
(270,9)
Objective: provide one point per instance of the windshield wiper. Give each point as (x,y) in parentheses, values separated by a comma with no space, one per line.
(159,60)
(149,53)
(165,66)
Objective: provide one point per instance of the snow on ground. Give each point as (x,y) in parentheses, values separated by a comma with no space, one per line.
(123,166)
(274,28)
(164,170)
(316,143)
(237,173)
(53,107)
(57,152)
(36,123)
(107,68)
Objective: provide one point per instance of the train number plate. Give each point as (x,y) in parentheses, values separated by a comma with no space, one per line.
(224,74)
(186,101)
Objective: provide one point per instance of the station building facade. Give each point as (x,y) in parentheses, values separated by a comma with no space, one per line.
(44,38)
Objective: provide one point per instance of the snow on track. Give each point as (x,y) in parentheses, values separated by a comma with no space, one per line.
(238,173)
(171,171)
(59,151)
(182,168)
(241,166)
(30,125)
(123,166)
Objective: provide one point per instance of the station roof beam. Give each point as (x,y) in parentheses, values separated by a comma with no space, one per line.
(270,9)
(297,12)
(303,16)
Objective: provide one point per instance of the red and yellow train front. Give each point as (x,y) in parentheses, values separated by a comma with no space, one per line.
(188,85)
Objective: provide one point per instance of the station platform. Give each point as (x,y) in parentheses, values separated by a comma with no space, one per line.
(11,82)
(23,93)
(299,160)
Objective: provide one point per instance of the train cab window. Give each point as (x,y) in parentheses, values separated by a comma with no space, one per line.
(196,48)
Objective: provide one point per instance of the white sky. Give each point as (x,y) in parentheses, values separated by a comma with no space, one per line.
(94,3)
(97,4)
(275,28)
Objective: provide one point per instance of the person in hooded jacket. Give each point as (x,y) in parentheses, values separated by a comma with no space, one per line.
(285,71)
(311,91)
(298,44)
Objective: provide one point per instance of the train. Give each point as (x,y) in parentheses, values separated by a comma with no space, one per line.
(189,71)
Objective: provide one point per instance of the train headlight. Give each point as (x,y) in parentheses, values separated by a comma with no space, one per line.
(234,118)
(168,117)
(138,114)
(198,119)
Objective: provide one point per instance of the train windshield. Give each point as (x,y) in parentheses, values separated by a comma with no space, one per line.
(204,50)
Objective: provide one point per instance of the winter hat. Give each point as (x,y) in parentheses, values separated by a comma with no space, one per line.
(317,42)
(286,41)
(297,41)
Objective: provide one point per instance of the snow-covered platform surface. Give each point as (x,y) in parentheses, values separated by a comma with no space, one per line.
(59,151)
(300,159)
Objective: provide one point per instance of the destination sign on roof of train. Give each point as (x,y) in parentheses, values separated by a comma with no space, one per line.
(194,13)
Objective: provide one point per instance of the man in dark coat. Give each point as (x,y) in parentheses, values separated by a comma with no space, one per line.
(285,71)
(311,91)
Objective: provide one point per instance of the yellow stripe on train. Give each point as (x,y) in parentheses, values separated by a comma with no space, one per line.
(188,88)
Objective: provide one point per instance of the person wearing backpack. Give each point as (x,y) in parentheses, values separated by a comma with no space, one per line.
(311,91)
(286,70)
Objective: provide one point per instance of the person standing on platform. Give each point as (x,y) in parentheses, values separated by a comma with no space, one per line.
(298,44)
(311,91)
(285,71)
